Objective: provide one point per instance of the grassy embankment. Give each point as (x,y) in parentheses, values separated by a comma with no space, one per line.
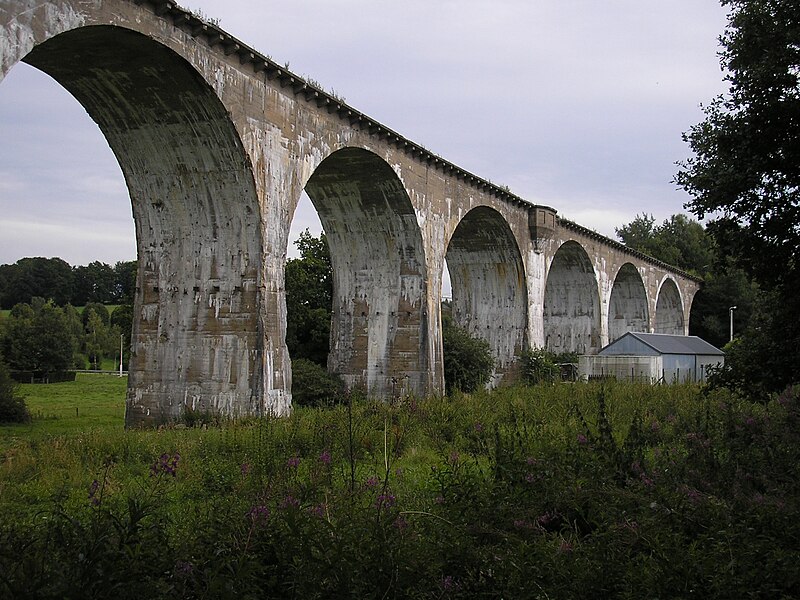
(569,491)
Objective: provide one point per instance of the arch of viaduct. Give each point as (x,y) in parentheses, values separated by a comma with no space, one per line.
(217,142)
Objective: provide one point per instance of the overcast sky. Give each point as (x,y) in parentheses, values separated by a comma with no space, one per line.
(577,104)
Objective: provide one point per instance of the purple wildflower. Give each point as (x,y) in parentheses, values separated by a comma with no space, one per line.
(478,427)
(371,482)
(290,502)
(258,513)
(92,491)
(385,501)
(325,457)
(245,469)
(293,462)
(166,465)
(582,439)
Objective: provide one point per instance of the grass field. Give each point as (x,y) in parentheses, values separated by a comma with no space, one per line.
(90,402)
(565,491)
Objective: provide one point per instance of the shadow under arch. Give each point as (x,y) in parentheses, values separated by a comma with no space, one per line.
(571,303)
(379,329)
(197,338)
(627,310)
(669,309)
(490,298)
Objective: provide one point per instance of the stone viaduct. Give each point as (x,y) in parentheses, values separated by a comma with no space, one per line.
(217,142)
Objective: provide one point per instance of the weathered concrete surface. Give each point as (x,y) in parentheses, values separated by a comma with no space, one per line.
(217,143)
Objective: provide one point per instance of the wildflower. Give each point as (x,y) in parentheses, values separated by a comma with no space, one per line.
(478,427)
(371,482)
(318,511)
(258,513)
(290,502)
(450,584)
(439,500)
(325,457)
(385,501)
(184,568)
(582,439)
(245,469)
(293,462)
(166,464)
(400,523)
(92,491)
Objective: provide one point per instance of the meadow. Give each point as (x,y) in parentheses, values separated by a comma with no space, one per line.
(558,491)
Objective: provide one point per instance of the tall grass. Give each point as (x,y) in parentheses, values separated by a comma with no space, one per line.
(564,491)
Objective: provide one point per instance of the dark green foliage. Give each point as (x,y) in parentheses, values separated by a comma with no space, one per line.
(468,361)
(12,404)
(744,174)
(312,385)
(96,282)
(539,366)
(99,309)
(38,338)
(49,278)
(122,321)
(54,279)
(683,242)
(309,293)
(124,282)
(678,241)
(562,491)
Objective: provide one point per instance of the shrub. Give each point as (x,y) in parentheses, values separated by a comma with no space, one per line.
(312,385)
(12,404)
(468,361)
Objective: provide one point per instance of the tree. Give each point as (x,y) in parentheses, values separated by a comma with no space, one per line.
(309,295)
(49,278)
(37,337)
(125,281)
(12,404)
(745,172)
(683,242)
(468,361)
(122,319)
(678,241)
(96,282)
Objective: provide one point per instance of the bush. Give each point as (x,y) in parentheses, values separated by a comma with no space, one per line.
(312,385)
(12,404)
(468,361)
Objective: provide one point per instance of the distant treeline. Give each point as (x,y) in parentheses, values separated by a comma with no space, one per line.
(57,280)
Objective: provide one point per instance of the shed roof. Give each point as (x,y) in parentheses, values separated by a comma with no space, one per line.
(672,344)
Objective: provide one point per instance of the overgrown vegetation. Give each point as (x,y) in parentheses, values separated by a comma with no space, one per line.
(468,360)
(560,491)
(12,403)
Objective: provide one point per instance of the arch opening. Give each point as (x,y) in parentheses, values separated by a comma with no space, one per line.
(627,309)
(669,309)
(379,326)
(196,335)
(571,303)
(489,295)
